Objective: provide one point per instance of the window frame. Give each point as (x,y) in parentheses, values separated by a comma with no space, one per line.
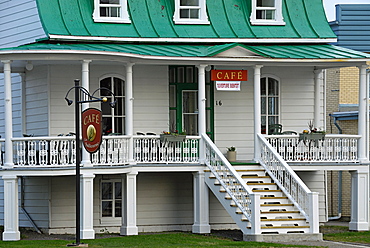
(203,17)
(113,218)
(119,98)
(123,10)
(267,96)
(279,20)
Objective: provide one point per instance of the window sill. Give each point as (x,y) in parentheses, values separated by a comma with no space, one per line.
(267,23)
(112,20)
(192,22)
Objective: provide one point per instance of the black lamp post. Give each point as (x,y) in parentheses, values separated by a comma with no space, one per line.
(86,98)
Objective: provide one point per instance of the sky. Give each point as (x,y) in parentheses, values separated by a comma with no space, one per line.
(329,6)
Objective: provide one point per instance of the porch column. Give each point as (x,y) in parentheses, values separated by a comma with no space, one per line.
(257,109)
(11,216)
(362,114)
(202,124)
(8,159)
(360,201)
(201,204)
(318,84)
(129,205)
(87,206)
(129,111)
(85,161)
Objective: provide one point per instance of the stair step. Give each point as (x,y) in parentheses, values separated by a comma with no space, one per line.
(295,219)
(267,227)
(252,183)
(250,170)
(273,197)
(280,212)
(277,205)
(265,190)
(254,176)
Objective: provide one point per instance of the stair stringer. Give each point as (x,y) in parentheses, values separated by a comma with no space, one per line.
(226,203)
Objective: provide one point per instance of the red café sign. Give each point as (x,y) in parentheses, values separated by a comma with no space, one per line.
(229,75)
(91,129)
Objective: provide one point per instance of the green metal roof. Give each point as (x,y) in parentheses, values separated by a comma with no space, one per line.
(305,19)
(265,51)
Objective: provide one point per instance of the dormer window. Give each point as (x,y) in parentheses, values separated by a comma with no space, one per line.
(111,11)
(267,12)
(190,12)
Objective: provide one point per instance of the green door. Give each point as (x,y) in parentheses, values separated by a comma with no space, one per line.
(184,101)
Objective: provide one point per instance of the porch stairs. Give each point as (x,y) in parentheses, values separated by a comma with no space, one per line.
(279,218)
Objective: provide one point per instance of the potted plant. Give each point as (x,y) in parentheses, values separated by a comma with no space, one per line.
(231,153)
(172,136)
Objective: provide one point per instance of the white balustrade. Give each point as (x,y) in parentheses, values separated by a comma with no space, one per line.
(114,150)
(149,149)
(333,148)
(231,181)
(286,178)
(44,151)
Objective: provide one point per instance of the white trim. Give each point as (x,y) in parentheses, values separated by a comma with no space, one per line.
(194,40)
(203,18)
(279,20)
(124,16)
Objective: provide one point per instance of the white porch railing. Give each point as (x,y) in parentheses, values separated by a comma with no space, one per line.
(289,182)
(114,150)
(240,193)
(334,148)
(149,149)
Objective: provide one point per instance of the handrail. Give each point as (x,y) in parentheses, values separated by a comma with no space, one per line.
(229,178)
(283,175)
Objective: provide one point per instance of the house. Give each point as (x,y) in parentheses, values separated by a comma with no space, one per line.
(221,71)
(351,27)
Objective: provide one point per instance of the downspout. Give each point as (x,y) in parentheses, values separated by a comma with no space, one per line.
(24,210)
(339,198)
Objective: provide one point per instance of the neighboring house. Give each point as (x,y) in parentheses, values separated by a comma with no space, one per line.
(352,26)
(166,61)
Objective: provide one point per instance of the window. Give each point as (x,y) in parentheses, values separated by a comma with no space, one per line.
(113,118)
(111,198)
(190,12)
(267,12)
(269,102)
(111,11)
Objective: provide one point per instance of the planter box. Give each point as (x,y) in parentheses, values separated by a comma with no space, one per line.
(171,138)
(311,136)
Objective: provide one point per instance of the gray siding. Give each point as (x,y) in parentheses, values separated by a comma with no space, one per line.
(17,105)
(352,26)
(36,104)
(19,23)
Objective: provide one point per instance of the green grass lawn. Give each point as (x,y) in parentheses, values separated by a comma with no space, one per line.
(152,240)
(341,234)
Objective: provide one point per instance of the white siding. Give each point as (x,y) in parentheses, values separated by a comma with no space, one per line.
(150,90)
(234,119)
(315,181)
(19,23)
(63,202)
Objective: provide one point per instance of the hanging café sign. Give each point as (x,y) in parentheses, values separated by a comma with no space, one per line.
(228,80)
(91,129)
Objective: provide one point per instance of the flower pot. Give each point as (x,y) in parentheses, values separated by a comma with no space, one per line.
(231,156)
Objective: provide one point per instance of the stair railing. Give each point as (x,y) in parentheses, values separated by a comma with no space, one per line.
(289,182)
(243,196)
